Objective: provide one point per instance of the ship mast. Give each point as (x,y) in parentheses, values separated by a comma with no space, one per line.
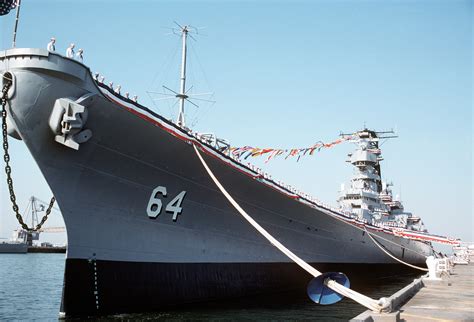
(182,92)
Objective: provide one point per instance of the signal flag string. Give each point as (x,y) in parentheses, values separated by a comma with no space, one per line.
(249,151)
(381,305)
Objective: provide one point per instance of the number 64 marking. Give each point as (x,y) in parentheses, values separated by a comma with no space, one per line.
(155,204)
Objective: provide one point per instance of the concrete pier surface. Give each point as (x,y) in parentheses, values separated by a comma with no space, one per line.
(450,299)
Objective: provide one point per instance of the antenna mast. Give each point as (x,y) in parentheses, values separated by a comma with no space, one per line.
(183,94)
(182,91)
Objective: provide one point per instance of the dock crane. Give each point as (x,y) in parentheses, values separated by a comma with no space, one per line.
(35,206)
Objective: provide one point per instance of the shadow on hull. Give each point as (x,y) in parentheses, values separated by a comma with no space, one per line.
(125,287)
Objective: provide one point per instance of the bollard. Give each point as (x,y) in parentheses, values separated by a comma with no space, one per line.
(432,264)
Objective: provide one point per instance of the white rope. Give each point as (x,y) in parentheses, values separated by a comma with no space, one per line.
(396,244)
(341,289)
(387,240)
(386,252)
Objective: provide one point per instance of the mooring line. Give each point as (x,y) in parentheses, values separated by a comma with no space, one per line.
(392,256)
(376,306)
(396,244)
(365,229)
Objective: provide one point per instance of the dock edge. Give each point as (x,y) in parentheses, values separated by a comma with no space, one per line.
(397,300)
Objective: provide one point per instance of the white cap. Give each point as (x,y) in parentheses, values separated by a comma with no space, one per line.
(72,45)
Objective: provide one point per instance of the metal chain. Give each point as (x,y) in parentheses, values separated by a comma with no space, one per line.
(8,170)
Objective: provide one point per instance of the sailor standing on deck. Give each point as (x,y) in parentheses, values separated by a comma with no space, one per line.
(51,47)
(70,51)
(79,55)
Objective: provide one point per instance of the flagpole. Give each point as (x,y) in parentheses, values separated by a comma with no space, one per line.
(16,23)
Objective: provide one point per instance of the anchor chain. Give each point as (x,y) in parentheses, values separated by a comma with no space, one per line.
(8,170)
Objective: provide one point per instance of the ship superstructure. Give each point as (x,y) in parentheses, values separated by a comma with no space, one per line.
(397,216)
(368,197)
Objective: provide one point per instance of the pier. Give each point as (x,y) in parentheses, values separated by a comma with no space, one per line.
(450,299)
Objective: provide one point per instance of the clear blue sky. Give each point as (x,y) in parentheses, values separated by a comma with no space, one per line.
(287,74)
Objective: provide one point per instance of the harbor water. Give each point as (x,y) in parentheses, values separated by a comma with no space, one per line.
(30,288)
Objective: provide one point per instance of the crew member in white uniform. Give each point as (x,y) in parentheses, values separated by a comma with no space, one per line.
(79,55)
(117,90)
(51,47)
(70,51)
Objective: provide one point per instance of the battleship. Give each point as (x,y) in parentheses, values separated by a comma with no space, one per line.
(148,229)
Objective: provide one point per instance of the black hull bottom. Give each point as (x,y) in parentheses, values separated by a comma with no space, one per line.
(128,287)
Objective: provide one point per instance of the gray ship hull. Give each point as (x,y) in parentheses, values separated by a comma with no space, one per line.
(121,260)
(13,248)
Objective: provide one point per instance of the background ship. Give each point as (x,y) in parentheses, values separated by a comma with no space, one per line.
(13,247)
(24,241)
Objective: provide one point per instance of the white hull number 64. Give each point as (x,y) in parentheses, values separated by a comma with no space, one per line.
(155,204)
